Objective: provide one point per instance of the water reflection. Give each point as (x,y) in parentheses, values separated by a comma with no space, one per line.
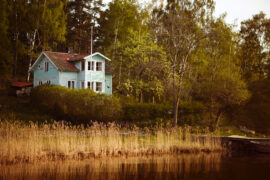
(200,166)
(153,167)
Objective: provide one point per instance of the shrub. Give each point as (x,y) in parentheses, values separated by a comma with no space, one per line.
(143,112)
(76,105)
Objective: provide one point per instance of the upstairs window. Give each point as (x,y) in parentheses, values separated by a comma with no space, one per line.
(46,69)
(98,86)
(99,66)
(71,84)
(91,65)
(82,66)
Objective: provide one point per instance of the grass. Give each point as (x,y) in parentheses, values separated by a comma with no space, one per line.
(34,142)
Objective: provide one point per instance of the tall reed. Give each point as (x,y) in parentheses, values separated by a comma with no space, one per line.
(60,141)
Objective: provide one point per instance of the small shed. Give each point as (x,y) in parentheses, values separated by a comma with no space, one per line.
(21,88)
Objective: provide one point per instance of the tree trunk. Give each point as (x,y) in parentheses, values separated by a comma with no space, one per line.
(175,112)
(31,57)
(216,122)
(16,37)
(15,57)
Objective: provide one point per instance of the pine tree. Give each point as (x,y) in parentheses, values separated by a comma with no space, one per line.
(82,14)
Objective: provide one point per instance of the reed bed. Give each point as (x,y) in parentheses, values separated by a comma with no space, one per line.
(59,141)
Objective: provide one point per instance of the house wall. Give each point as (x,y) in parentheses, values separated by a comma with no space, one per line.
(64,77)
(80,74)
(96,76)
(41,75)
(108,84)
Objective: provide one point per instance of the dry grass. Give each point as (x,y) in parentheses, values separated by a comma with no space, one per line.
(47,142)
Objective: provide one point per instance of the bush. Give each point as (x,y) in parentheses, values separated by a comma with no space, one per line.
(76,105)
(143,112)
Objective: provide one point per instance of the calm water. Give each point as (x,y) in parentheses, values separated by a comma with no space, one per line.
(202,166)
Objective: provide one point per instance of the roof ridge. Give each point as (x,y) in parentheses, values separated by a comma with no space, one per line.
(57,52)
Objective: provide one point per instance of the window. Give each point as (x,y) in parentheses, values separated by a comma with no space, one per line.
(82,65)
(99,66)
(39,82)
(91,65)
(98,86)
(39,67)
(48,82)
(90,85)
(82,84)
(46,67)
(71,84)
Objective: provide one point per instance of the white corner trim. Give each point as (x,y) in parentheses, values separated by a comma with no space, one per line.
(97,53)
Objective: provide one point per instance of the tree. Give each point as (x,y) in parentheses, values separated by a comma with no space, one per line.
(220,82)
(18,21)
(143,66)
(117,22)
(180,31)
(5,55)
(46,25)
(255,46)
(82,14)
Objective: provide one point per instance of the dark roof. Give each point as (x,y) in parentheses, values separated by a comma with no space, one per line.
(61,60)
(64,61)
(21,84)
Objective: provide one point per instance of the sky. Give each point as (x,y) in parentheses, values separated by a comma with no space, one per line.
(237,10)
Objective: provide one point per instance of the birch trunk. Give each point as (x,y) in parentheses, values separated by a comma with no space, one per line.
(33,40)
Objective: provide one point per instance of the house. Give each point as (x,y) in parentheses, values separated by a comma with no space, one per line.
(73,71)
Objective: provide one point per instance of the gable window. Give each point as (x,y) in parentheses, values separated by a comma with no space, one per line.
(82,66)
(46,69)
(71,84)
(91,65)
(39,67)
(98,86)
(99,66)
(39,82)
(82,84)
(90,85)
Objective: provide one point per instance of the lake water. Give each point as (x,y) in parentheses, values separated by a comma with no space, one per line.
(200,166)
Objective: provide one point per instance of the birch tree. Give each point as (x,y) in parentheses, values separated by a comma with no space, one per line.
(180,30)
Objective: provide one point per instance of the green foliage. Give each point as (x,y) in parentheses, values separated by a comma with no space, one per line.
(255,46)
(136,112)
(81,15)
(255,114)
(5,54)
(77,106)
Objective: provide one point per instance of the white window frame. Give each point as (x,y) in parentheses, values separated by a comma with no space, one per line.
(96,88)
(82,66)
(46,66)
(72,84)
(101,66)
(91,65)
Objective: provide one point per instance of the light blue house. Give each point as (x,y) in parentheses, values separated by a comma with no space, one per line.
(73,71)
